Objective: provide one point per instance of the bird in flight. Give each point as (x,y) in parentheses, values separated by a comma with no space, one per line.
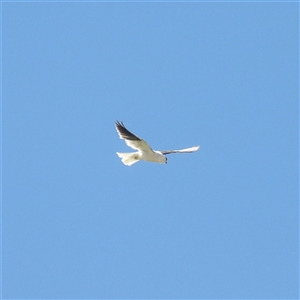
(144,152)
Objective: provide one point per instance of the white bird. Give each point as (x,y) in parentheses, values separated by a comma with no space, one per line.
(144,150)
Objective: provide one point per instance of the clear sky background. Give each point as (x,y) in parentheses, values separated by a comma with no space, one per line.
(219,223)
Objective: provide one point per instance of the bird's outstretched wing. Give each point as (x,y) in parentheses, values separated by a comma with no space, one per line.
(130,139)
(187,150)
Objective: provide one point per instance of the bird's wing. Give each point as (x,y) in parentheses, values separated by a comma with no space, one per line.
(187,150)
(132,140)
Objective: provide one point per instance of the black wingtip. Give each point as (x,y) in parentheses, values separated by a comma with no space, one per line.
(119,123)
(125,133)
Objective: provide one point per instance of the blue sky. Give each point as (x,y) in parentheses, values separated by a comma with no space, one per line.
(222,223)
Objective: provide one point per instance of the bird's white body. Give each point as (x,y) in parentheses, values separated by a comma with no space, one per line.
(144,150)
(130,158)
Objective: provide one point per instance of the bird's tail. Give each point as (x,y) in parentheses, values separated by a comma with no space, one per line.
(128,159)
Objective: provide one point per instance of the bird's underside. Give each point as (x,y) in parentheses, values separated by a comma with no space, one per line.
(144,151)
